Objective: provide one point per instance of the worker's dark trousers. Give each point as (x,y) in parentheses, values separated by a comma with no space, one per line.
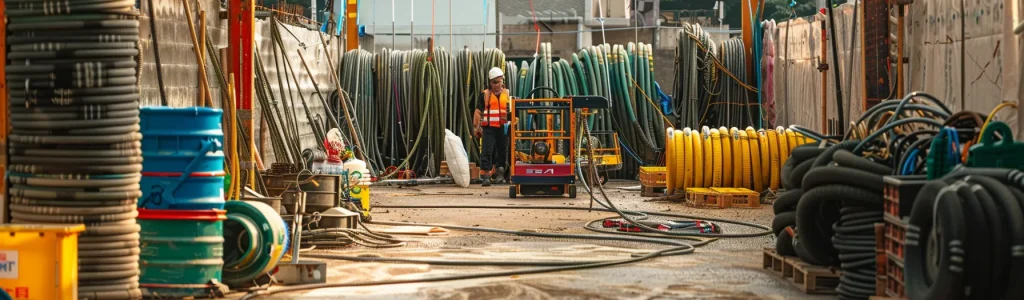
(494,151)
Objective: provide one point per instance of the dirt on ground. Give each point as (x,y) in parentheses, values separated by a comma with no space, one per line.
(728,268)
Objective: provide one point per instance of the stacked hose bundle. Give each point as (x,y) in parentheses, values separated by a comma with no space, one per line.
(356,77)
(417,107)
(74,149)
(834,192)
(965,235)
(620,73)
(722,157)
(399,104)
(706,87)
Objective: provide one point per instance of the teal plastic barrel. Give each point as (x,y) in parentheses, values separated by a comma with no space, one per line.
(182,252)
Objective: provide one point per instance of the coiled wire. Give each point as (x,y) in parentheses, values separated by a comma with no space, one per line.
(75,151)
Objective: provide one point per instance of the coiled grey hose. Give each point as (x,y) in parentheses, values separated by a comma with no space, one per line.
(74,148)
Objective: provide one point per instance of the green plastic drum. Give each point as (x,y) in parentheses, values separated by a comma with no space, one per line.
(182,252)
(254,241)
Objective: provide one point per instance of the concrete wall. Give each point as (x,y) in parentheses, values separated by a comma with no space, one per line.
(934,40)
(180,71)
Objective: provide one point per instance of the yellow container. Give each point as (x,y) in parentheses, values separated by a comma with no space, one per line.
(26,253)
(361,193)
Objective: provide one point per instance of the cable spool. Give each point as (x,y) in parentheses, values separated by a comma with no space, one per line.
(74,147)
(736,158)
(255,241)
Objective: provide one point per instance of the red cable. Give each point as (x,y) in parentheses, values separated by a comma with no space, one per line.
(536,28)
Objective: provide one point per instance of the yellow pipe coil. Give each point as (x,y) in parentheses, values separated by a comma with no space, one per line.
(670,156)
(728,157)
(698,159)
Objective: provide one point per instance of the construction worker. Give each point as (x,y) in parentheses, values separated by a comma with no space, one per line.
(491,118)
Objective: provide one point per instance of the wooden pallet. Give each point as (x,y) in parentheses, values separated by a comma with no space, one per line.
(806,277)
(652,191)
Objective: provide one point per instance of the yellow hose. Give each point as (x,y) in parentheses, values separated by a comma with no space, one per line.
(793,141)
(687,142)
(698,159)
(730,157)
(681,159)
(745,159)
(783,145)
(737,157)
(755,159)
(774,160)
(670,154)
(723,134)
(991,116)
(716,158)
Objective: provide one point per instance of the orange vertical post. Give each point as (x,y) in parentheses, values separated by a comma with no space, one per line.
(351,28)
(748,7)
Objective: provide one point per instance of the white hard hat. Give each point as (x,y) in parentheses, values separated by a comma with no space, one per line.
(494,73)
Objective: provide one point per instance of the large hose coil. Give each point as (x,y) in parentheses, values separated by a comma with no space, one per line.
(726,157)
(74,147)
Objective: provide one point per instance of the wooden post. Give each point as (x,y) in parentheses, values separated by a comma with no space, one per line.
(202,51)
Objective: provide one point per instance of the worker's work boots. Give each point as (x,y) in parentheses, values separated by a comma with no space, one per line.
(499,176)
(485,180)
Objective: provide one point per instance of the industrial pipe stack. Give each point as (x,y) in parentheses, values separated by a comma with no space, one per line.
(833,202)
(75,151)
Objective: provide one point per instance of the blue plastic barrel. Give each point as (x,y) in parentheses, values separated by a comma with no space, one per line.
(173,137)
(196,192)
(183,160)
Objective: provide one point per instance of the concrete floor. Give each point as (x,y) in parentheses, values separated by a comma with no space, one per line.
(725,269)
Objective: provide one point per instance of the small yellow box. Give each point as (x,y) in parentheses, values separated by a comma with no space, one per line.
(39,261)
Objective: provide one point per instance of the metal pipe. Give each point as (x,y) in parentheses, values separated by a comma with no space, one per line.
(835,61)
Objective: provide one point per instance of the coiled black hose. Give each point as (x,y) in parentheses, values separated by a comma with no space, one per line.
(75,154)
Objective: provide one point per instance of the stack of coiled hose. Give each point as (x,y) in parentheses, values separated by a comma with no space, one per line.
(965,237)
(707,91)
(728,157)
(834,196)
(75,150)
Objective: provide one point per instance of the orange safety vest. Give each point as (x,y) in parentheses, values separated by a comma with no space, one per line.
(495,111)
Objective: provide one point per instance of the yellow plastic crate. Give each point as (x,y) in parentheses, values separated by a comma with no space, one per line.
(705,198)
(739,197)
(652,176)
(24,251)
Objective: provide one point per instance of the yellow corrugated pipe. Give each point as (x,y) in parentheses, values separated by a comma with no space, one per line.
(670,157)
(687,142)
(709,155)
(716,158)
(723,134)
(728,157)
(698,159)
(755,158)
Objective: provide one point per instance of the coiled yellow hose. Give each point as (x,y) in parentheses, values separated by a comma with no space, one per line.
(737,157)
(716,159)
(687,142)
(745,159)
(730,157)
(681,159)
(723,134)
(709,163)
(670,157)
(698,160)
(755,158)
